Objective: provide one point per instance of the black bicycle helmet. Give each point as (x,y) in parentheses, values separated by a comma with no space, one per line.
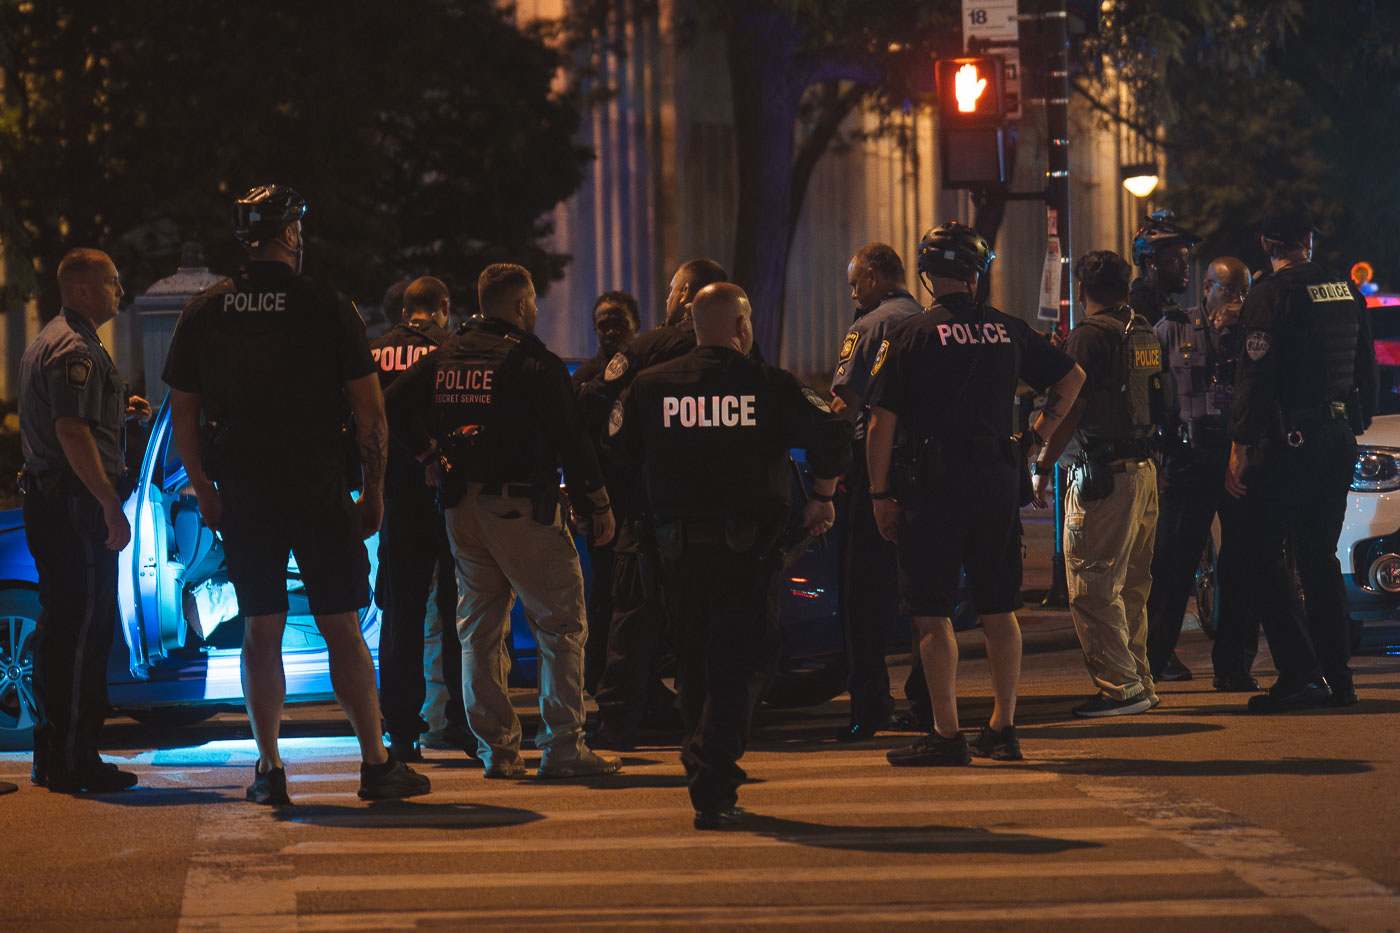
(1159,231)
(955,250)
(263,212)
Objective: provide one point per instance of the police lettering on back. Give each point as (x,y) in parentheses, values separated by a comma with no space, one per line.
(463,385)
(713,411)
(398,359)
(973,333)
(255,301)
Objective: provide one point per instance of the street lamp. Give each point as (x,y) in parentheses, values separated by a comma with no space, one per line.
(1140,178)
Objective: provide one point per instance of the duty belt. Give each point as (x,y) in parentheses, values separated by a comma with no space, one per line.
(1296,419)
(512,490)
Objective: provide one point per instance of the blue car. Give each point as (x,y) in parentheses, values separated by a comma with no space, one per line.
(176,658)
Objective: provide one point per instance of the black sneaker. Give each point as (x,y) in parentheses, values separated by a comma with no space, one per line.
(1235,683)
(1101,704)
(932,749)
(269,787)
(392,780)
(720,819)
(1312,694)
(998,746)
(1345,696)
(101,777)
(1173,670)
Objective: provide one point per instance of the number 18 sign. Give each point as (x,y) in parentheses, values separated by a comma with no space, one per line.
(994,20)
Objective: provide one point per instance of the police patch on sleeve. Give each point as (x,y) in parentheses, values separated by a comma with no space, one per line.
(615,419)
(816,400)
(848,347)
(1256,344)
(616,367)
(77,369)
(880,357)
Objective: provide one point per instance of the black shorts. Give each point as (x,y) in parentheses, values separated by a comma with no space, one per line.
(316,523)
(969,523)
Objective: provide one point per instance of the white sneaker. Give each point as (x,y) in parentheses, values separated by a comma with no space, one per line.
(587,763)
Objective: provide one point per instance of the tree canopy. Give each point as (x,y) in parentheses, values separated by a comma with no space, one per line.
(426,135)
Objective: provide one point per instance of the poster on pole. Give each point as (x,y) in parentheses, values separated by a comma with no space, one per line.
(1050,282)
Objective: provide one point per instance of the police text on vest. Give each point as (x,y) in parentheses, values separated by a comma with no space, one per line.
(255,301)
(711,411)
(973,333)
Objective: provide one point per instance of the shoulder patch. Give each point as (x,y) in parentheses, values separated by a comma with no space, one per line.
(615,419)
(880,357)
(848,347)
(77,369)
(616,367)
(817,401)
(1256,344)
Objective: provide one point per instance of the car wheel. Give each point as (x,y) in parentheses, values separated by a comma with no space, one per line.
(171,716)
(1206,591)
(806,686)
(19,621)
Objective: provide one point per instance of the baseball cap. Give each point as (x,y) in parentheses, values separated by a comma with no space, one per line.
(1288,223)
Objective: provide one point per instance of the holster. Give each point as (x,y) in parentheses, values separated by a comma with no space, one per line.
(544,505)
(213,448)
(1095,477)
(1355,416)
(649,559)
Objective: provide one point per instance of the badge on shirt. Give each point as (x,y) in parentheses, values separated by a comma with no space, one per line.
(848,347)
(77,369)
(816,400)
(615,419)
(616,367)
(880,356)
(1256,344)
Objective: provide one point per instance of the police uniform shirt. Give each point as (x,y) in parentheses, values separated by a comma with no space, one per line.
(270,352)
(1306,338)
(394,352)
(66,372)
(528,407)
(864,340)
(931,358)
(1202,361)
(667,342)
(591,367)
(712,431)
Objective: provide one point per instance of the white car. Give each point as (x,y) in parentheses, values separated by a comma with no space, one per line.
(1369,546)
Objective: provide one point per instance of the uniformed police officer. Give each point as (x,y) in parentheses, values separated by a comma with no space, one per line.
(1201,346)
(942,403)
(502,412)
(1111,506)
(1306,386)
(270,358)
(71,409)
(631,687)
(616,319)
(412,545)
(1160,248)
(868,577)
(711,433)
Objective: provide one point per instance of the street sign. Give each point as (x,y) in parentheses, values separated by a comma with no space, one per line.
(1050,282)
(995,21)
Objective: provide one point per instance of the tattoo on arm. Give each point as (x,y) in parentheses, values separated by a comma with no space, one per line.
(374,450)
(1053,400)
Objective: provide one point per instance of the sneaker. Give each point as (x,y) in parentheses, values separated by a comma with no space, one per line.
(1345,696)
(932,749)
(505,768)
(1101,704)
(586,764)
(1173,670)
(268,787)
(1236,683)
(998,746)
(1314,693)
(720,819)
(453,735)
(1153,701)
(392,780)
(101,777)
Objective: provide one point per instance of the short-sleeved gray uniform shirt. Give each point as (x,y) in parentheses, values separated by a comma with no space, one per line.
(865,343)
(66,372)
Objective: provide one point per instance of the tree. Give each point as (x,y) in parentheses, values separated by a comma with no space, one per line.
(424,134)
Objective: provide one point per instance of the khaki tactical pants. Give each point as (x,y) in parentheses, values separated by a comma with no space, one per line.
(501,551)
(1108,561)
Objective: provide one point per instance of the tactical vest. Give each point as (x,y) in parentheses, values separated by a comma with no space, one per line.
(1317,337)
(469,389)
(1136,387)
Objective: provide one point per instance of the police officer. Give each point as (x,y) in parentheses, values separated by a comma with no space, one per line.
(1111,506)
(71,415)
(1306,386)
(1201,347)
(412,544)
(275,364)
(1159,250)
(616,319)
(945,477)
(711,432)
(501,410)
(869,580)
(631,687)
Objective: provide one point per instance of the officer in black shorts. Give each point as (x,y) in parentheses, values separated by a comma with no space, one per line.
(631,687)
(71,413)
(945,476)
(501,411)
(1306,385)
(276,364)
(711,432)
(412,544)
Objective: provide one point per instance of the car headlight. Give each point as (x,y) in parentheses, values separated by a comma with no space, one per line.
(1377,470)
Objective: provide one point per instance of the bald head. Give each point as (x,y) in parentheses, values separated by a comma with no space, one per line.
(722,314)
(1227,280)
